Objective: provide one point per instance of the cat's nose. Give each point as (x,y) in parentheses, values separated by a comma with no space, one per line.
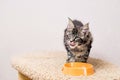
(71,41)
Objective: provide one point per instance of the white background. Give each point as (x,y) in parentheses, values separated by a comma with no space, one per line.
(34,25)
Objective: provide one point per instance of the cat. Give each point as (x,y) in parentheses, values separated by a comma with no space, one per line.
(77,41)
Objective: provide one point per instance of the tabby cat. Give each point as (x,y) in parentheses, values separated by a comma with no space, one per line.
(77,41)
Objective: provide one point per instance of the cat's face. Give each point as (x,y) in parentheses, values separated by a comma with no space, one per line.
(75,35)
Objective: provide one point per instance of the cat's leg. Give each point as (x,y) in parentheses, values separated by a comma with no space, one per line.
(71,57)
(84,57)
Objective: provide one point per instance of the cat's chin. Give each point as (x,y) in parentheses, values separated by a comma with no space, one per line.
(72,47)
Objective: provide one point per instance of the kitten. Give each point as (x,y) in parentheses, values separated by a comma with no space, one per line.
(77,41)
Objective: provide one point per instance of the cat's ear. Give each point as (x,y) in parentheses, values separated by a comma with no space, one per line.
(85,29)
(70,24)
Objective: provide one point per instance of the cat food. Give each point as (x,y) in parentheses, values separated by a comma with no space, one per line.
(78,69)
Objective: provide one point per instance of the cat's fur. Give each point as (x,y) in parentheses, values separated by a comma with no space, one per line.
(77,41)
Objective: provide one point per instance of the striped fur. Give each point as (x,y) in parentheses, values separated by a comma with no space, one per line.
(77,41)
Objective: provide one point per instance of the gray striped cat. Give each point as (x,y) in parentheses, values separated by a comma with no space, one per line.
(77,41)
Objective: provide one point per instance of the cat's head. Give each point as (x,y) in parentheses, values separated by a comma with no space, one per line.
(76,33)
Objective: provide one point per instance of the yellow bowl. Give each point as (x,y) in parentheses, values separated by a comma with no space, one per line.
(78,69)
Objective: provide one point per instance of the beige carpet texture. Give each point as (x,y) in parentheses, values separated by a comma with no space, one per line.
(48,66)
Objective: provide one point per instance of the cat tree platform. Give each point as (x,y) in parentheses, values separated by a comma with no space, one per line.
(48,66)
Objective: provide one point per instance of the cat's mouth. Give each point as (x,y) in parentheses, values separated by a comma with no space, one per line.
(72,44)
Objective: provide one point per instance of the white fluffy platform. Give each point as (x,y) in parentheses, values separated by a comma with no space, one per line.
(48,65)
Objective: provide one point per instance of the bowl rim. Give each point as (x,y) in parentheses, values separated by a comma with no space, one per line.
(65,65)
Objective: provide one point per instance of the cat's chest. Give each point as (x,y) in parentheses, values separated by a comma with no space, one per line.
(79,50)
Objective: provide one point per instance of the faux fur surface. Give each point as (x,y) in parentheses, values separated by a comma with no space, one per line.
(48,66)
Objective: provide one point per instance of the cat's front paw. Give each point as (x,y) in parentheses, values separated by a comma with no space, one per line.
(71,59)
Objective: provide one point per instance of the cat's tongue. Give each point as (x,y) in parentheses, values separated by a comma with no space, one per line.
(72,43)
